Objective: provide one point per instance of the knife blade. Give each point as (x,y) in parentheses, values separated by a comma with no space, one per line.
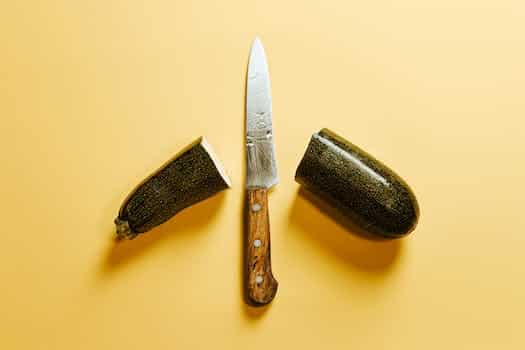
(261,175)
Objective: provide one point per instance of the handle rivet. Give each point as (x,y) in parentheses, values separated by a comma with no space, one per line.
(258,279)
(256,207)
(257,243)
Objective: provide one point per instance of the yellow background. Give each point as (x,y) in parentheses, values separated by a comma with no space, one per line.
(94,95)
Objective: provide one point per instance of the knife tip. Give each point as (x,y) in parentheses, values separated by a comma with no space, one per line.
(256,42)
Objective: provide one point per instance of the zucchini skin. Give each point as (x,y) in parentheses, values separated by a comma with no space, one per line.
(188,178)
(358,186)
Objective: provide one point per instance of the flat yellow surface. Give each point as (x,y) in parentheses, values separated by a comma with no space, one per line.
(94,95)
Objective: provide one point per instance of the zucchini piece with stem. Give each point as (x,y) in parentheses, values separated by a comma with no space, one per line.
(193,175)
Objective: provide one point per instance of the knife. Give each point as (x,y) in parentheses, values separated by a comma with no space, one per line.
(261,175)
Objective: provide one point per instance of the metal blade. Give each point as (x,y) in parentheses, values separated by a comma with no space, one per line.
(261,168)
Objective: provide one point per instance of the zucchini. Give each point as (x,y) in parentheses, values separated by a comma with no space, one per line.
(360,187)
(193,175)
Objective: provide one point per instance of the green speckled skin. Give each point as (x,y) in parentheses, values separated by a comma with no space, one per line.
(188,178)
(360,187)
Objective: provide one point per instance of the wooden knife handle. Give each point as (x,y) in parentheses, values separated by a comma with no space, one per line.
(261,286)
